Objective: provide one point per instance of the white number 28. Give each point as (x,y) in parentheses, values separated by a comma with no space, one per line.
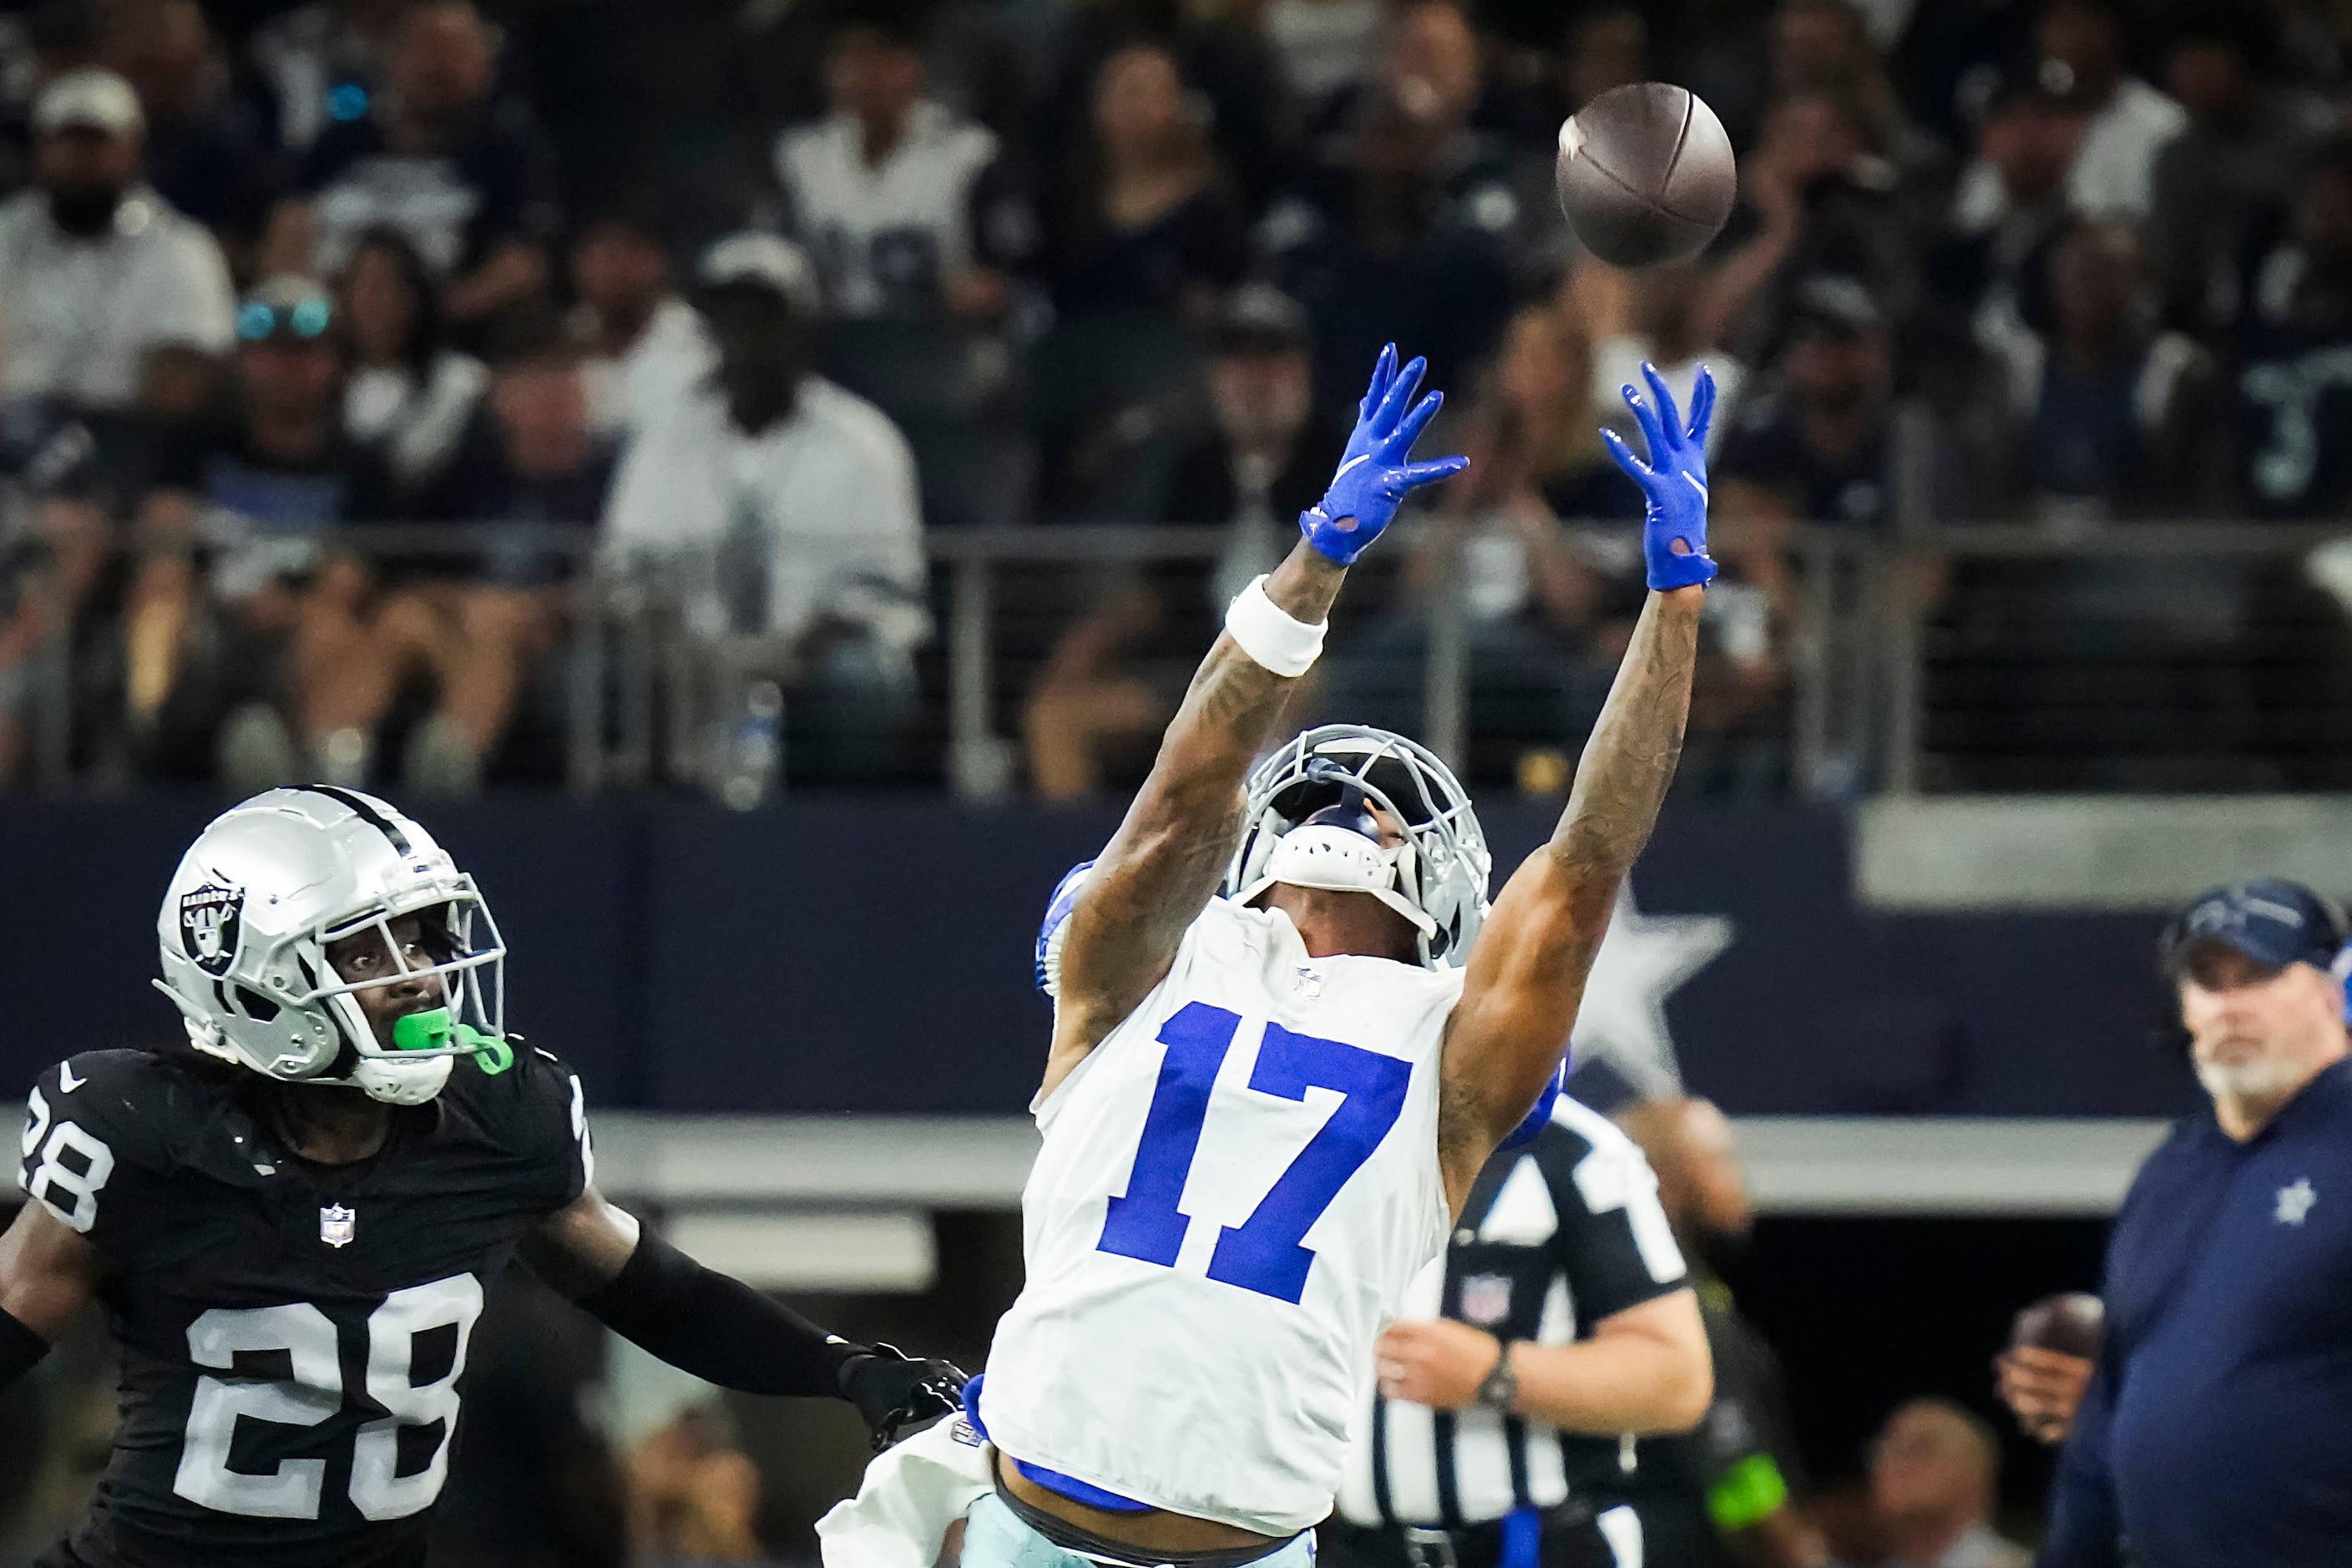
(313,1393)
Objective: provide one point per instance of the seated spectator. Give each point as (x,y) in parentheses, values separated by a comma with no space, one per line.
(265,636)
(2293,362)
(408,394)
(1534,593)
(207,152)
(903,204)
(1984,274)
(644,346)
(790,508)
(2222,186)
(1824,46)
(2107,410)
(694,1494)
(1324,47)
(475,630)
(96,270)
(2126,123)
(1814,198)
(1608,46)
(1819,440)
(1381,255)
(1113,677)
(318,63)
(1650,317)
(435,155)
(1932,1470)
(1146,238)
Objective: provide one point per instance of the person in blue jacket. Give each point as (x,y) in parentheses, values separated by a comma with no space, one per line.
(2216,1431)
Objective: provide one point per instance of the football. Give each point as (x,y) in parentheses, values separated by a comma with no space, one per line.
(1646,175)
(2069,1324)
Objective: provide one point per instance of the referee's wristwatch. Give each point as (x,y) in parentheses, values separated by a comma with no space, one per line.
(1500,1392)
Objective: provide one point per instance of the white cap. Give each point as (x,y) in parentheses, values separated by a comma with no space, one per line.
(90,98)
(767,260)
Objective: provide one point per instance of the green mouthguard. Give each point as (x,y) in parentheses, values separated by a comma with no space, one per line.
(434,1030)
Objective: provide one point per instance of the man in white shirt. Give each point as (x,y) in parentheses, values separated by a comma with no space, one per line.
(96,270)
(789,509)
(646,347)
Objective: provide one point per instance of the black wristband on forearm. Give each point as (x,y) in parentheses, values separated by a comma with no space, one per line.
(20,1348)
(717,1327)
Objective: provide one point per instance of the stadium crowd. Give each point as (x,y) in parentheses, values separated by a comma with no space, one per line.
(756,297)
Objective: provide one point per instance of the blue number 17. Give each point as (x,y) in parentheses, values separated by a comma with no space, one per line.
(1264,1252)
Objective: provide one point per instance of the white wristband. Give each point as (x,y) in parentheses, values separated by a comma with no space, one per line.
(1269,634)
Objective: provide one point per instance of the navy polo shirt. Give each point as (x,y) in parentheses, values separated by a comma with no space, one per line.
(2217,1431)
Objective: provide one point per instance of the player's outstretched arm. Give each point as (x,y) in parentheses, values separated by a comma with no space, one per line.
(718,1328)
(1528,966)
(48,1271)
(1149,885)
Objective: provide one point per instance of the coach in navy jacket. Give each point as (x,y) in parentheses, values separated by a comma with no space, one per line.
(2217,1429)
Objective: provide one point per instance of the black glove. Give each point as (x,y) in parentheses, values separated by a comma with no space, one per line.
(891,1389)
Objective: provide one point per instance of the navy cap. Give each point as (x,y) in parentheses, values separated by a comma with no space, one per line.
(2270,920)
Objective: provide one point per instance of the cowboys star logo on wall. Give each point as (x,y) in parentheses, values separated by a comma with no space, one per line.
(210,917)
(1641,962)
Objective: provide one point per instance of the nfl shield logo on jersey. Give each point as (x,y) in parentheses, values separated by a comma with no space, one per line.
(335,1225)
(1486,1299)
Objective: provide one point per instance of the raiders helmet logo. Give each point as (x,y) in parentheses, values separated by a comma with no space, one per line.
(210,919)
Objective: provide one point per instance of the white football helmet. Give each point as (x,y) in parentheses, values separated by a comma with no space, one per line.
(245,923)
(1306,823)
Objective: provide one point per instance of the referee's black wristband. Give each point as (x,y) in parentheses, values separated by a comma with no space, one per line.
(717,1327)
(20,1348)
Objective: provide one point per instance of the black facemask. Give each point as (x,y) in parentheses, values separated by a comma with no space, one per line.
(85,212)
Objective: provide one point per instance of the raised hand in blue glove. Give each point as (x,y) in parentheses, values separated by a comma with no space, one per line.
(1374,474)
(1673,527)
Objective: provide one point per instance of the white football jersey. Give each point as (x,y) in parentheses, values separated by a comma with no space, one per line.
(1235,1189)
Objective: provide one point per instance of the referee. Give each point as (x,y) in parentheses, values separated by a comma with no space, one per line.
(2217,1428)
(1559,1324)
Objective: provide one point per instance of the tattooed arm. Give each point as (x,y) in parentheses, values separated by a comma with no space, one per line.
(1149,885)
(1528,966)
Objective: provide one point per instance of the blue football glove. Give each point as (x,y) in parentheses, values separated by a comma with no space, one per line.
(1374,474)
(1056,926)
(1675,480)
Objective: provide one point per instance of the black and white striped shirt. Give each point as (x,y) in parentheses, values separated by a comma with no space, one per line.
(1556,1236)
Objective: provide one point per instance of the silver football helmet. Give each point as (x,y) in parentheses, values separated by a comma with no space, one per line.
(245,923)
(1306,823)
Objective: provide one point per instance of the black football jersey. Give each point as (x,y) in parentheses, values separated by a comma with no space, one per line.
(293,1336)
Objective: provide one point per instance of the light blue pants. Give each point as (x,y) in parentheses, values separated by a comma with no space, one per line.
(995,1537)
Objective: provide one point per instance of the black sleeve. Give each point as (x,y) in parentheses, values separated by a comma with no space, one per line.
(1614,1242)
(718,1328)
(20,1348)
(97,1146)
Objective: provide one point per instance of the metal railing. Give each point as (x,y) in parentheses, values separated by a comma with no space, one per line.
(2211,656)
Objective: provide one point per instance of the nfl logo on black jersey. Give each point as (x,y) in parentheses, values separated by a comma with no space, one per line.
(335,1225)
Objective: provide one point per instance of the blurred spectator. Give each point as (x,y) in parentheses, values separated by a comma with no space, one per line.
(96,270)
(646,347)
(1813,199)
(1115,676)
(318,63)
(792,506)
(408,394)
(476,629)
(1324,46)
(1651,317)
(1532,593)
(1145,239)
(1987,270)
(266,637)
(1727,1493)
(1608,46)
(904,205)
(2126,123)
(2107,409)
(1819,442)
(2293,376)
(1932,1472)
(1146,223)
(2222,187)
(694,1496)
(1384,256)
(1824,46)
(206,150)
(464,176)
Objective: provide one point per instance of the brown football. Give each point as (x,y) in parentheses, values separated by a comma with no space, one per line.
(1646,175)
(2069,1324)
